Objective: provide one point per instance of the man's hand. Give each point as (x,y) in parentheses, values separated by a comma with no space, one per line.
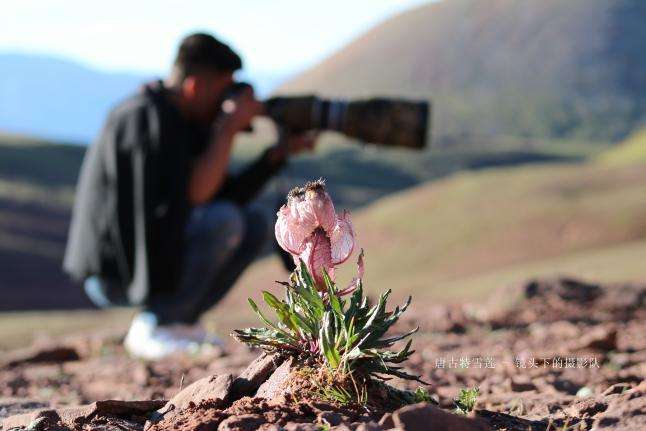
(238,112)
(210,168)
(301,142)
(291,144)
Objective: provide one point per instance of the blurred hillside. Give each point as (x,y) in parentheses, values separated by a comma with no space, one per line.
(37,182)
(461,237)
(542,68)
(631,151)
(36,193)
(468,236)
(526,104)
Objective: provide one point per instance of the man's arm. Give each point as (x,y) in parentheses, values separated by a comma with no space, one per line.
(243,187)
(210,169)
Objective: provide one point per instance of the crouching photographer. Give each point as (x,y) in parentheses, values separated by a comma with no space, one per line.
(158,222)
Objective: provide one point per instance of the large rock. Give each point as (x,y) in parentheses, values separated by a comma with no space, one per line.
(208,388)
(248,382)
(277,382)
(75,417)
(424,416)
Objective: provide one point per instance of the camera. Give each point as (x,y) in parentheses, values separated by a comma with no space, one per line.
(381,121)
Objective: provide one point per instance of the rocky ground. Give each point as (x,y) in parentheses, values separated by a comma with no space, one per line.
(565,355)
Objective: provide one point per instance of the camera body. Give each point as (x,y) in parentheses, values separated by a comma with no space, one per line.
(382,121)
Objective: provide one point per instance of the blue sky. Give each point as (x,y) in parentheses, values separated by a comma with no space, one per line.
(276,36)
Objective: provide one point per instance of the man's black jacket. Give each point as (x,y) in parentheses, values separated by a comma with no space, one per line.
(131,203)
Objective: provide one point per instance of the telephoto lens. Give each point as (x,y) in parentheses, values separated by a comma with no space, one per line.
(382,121)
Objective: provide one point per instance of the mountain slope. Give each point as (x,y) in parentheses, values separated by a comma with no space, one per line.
(479,223)
(458,238)
(531,67)
(58,99)
(464,237)
(37,184)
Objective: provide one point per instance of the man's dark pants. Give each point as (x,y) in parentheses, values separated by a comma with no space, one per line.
(221,240)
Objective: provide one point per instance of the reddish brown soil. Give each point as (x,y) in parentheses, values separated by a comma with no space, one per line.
(565,354)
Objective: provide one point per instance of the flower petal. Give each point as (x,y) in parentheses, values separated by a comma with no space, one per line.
(316,255)
(342,239)
(295,223)
(323,209)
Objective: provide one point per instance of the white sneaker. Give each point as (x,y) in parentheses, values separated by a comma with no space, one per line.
(150,341)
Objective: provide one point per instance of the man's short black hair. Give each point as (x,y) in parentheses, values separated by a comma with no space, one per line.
(202,52)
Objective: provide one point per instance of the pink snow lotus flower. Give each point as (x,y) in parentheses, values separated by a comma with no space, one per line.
(310,230)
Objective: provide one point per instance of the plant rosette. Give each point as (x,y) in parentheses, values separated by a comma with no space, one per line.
(338,337)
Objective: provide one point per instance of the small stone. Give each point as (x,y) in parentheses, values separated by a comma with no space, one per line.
(503,421)
(369,426)
(599,338)
(567,289)
(329,418)
(617,388)
(424,416)
(296,426)
(587,407)
(522,384)
(584,392)
(387,421)
(38,424)
(35,355)
(248,422)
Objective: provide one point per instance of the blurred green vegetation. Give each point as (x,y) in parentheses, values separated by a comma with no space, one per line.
(630,151)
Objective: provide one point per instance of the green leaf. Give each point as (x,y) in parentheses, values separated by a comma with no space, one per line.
(305,276)
(330,353)
(387,342)
(281,309)
(466,400)
(335,303)
(267,321)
